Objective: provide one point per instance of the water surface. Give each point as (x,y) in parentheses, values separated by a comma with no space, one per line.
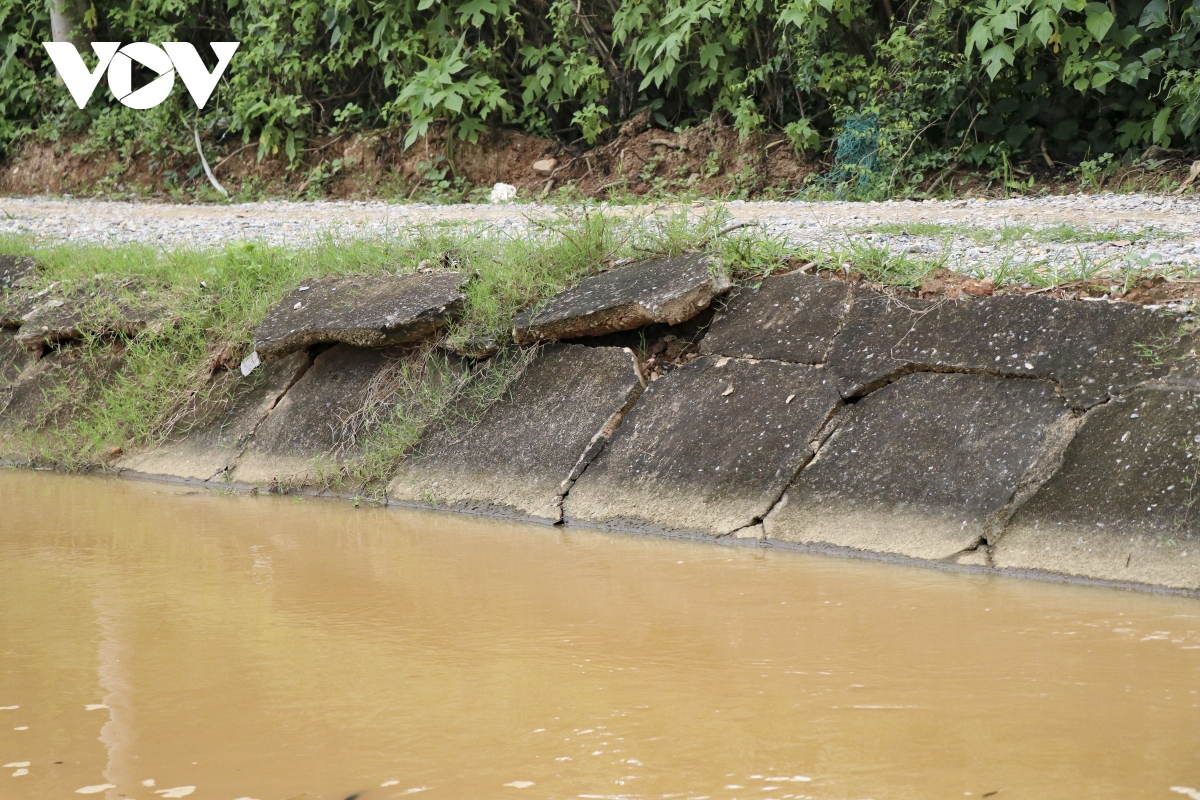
(272,648)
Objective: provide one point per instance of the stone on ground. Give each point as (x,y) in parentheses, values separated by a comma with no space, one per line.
(526,450)
(1092,350)
(365,311)
(707,450)
(1125,505)
(790,318)
(924,467)
(16,270)
(212,442)
(671,291)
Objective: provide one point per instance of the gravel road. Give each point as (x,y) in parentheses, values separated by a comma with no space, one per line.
(1051,234)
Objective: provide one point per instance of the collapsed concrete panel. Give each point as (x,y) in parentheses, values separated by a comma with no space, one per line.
(708,449)
(791,317)
(366,311)
(924,467)
(1125,505)
(525,451)
(306,432)
(87,308)
(209,445)
(670,291)
(1092,350)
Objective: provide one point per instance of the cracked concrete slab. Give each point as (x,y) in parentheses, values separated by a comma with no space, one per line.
(1092,350)
(670,291)
(524,453)
(305,433)
(87,308)
(920,467)
(707,450)
(1125,505)
(790,317)
(366,311)
(16,271)
(214,439)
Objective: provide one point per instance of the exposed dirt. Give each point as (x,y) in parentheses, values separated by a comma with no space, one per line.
(709,159)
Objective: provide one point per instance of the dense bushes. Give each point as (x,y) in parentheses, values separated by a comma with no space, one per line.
(975,81)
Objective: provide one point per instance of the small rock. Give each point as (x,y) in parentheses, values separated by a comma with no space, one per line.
(545,166)
(503,193)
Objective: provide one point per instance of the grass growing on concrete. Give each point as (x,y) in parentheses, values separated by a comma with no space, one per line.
(210,301)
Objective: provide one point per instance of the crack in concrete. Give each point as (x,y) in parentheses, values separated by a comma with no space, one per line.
(600,438)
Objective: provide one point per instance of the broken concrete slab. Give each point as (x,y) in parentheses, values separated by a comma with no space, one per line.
(791,317)
(670,290)
(361,310)
(308,430)
(707,450)
(89,308)
(209,444)
(1125,505)
(1092,350)
(16,271)
(924,467)
(529,447)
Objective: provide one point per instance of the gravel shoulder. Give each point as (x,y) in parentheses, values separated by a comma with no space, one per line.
(1061,235)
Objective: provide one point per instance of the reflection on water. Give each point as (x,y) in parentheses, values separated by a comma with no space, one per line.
(160,643)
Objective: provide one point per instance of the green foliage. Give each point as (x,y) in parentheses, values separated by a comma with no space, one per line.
(947,81)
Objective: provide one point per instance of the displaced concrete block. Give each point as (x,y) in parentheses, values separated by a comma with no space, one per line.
(790,318)
(1125,505)
(671,291)
(367,311)
(208,445)
(924,467)
(307,431)
(529,447)
(707,450)
(1092,350)
(15,271)
(88,308)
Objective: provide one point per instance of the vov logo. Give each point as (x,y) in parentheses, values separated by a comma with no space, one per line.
(167,60)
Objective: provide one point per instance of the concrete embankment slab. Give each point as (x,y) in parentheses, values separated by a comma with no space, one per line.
(94,307)
(367,311)
(1125,506)
(669,291)
(212,441)
(1092,350)
(522,455)
(306,432)
(921,467)
(790,317)
(13,360)
(16,270)
(708,449)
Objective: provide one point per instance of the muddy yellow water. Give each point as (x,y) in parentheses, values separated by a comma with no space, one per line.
(156,643)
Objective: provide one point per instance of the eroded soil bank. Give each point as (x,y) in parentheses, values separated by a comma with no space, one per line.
(225,646)
(1022,433)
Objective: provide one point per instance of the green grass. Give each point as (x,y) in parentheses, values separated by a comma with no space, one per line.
(1062,233)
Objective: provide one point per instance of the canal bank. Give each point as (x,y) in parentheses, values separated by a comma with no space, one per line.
(1021,433)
